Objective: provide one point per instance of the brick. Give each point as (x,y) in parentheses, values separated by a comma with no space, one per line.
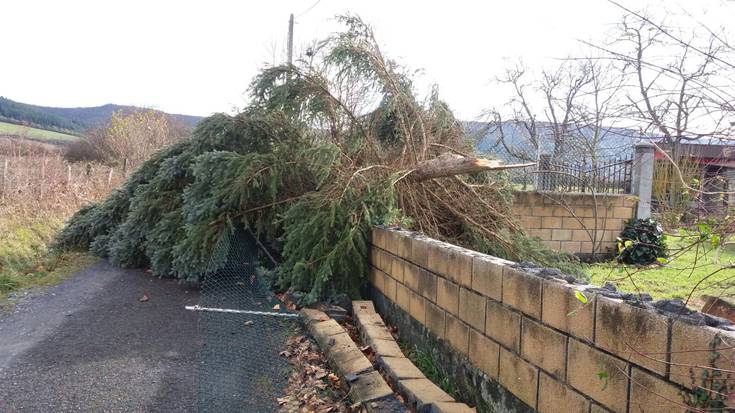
(374,257)
(487,276)
(457,333)
(561,235)
(651,394)
(626,331)
(390,239)
(519,377)
(418,307)
(420,250)
(403,297)
(622,212)
(554,245)
(396,269)
(544,347)
(550,222)
(484,353)
(376,278)
(582,235)
(422,393)
(472,308)
(572,223)
(503,325)
(571,247)
(564,311)
(435,320)
(447,295)
(378,237)
(530,222)
(399,368)
(692,346)
(427,284)
(403,244)
(555,396)
(585,212)
(437,258)
(386,262)
(411,276)
(459,266)
(614,224)
(587,365)
(540,233)
(560,211)
(389,288)
(522,291)
(541,211)
(450,407)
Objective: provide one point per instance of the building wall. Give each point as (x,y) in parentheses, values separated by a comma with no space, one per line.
(570,222)
(533,338)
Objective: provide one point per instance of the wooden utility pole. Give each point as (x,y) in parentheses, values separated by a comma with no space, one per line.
(290,39)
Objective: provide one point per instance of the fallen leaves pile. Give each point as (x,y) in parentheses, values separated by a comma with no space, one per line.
(312,386)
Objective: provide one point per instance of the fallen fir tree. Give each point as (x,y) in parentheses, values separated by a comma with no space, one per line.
(328,148)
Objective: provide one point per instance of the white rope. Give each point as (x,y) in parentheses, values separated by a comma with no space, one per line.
(231,311)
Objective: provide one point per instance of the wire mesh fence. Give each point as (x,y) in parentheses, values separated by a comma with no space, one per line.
(243,329)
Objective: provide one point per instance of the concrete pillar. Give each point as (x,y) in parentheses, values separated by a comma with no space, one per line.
(643,165)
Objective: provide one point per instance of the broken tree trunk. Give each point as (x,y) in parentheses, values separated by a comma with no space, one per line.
(450,164)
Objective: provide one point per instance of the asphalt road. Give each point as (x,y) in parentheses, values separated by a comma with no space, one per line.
(90,345)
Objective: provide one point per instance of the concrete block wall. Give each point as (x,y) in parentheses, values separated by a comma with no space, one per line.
(570,221)
(535,338)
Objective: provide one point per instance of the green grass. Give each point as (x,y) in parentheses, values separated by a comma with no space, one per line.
(35,133)
(26,262)
(689,268)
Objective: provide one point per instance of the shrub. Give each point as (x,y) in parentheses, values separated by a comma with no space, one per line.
(641,242)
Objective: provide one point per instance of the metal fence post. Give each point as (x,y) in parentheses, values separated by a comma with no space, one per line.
(544,165)
(643,177)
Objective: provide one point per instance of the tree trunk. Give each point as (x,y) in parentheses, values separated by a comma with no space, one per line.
(449,164)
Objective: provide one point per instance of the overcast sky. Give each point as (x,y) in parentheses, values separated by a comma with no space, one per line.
(198,57)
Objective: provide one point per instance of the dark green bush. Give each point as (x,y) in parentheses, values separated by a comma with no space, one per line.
(642,242)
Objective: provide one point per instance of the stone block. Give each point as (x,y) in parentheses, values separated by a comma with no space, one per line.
(487,276)
(519,377)
(378,237)
(449,407)
(544,347)
(403,297)
(411,276)
(403,244)
(376,278)
(634,334)
(503,325)
(522,291)
(565,312)
(399,368)
(551,222)
(600,376)
(651,394)
(457,334)
(484,353)
(422,393)
(369,387)
(530,222)
(447,295)
(561,234)
(472,308)
(572,223)
(427,284)
(438,257)
(397,268)
(459,266)
(570,247)
(386,348)
(389,288)
(435,320)
(697,346)
(420,250)
(418,307)
(554,396)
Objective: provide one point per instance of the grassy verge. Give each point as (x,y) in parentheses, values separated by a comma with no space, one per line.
(690,271)
(35,133)
(25,260)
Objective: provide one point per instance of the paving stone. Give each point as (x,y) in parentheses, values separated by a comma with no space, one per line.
(369,387)
(399,368)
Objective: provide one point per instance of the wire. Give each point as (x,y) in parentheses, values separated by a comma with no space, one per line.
(309,9)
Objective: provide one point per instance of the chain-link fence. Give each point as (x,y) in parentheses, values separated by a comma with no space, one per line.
(243,329)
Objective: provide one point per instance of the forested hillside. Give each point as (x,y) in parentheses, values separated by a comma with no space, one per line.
(76,120)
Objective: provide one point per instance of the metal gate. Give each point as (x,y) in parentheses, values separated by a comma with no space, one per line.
(243,329)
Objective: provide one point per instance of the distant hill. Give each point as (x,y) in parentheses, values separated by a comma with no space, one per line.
(74,120)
